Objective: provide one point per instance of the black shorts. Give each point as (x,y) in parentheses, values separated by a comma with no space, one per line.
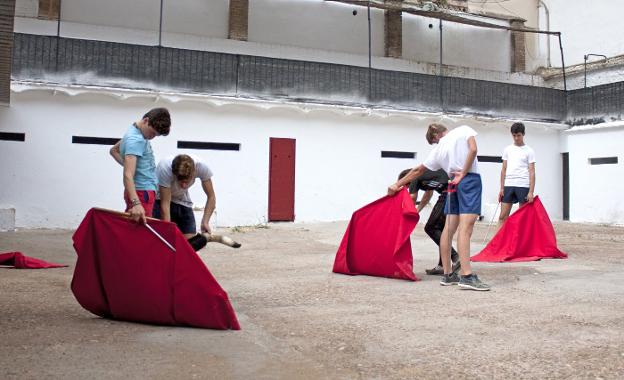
(514,194)
(182,216)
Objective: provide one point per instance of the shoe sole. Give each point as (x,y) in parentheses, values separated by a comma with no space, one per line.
(470,287)
(448,283)
(434,273)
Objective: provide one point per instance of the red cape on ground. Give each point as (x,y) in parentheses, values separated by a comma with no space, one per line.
(125,272)
(20,261)
(377,240)
(527,235)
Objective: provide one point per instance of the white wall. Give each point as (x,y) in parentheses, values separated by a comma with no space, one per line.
(596,190)
(311,30)
(316,25)
(586,27)
(52,182)
(460,43)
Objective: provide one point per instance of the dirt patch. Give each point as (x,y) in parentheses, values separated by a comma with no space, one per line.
(547,319)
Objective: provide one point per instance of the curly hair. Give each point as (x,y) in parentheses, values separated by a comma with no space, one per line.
(183,167)
(517,128)
(159,119)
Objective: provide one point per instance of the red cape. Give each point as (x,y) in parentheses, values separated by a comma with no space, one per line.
(19,261)
(527,235)
(377,240)
(125,272)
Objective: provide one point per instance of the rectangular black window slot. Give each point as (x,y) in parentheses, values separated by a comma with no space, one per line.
(207,145)
(9,136)
(94,140)
(496,159)
(395,154)
(603,160)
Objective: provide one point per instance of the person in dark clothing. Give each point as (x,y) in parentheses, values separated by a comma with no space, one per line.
(429,182)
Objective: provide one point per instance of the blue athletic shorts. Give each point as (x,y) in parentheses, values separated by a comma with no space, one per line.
(514,194)
(467,198)
(182,216)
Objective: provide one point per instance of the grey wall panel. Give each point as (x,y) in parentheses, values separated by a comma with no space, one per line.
(75,61)
(594,104)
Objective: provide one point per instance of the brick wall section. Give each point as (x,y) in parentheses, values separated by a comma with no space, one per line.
(7,15)
(393,32)
(239,11)
(518,48)
(49,9)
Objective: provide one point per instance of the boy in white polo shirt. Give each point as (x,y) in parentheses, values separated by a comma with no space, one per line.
(456,153)
(517,174)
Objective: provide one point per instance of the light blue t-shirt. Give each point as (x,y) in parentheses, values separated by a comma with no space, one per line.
(135,144)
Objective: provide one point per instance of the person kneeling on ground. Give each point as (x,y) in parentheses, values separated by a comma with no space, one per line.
(175,176)
(431,181)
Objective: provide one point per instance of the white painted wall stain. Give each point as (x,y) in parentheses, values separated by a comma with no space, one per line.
(52,182)
(595,190)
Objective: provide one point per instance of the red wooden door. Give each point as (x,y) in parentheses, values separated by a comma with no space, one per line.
(282,179)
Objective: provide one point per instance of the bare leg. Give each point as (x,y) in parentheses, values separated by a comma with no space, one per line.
(223,240)
(466,225)
(504,214)
(446,241)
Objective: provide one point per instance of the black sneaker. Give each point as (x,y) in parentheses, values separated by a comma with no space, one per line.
(456,266)
(437,270)
(449,279)
(472,282)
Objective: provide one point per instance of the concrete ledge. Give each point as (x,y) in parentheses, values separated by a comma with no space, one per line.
(7,219)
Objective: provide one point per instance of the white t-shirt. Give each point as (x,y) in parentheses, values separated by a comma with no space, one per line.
(167,179)
(451,151)
(518,159)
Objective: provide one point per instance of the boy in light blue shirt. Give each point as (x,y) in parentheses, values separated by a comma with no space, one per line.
(134,153)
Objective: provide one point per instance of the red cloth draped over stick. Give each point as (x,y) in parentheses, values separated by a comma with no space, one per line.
(377,240)
(125,272)
(527,235)
(20,261)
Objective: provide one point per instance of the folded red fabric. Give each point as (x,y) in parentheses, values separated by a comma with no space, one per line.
(20,261)
(527,235)
(377,240)
(124,271)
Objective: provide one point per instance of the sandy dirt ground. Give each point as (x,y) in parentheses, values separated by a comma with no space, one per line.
(559,319)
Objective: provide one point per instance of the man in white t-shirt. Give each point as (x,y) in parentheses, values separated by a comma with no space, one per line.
(517,177)
(456,154)
(175,176)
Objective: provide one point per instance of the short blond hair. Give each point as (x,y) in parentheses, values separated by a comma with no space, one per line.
(434,130)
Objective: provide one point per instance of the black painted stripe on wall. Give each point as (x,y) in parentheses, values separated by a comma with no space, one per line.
(10,136)
(396,154)
(603,160)
(207,145)
(94,140)
(496,159)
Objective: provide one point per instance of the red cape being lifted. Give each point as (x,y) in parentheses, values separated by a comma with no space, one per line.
(125,272)
(527,235)
(377,240)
